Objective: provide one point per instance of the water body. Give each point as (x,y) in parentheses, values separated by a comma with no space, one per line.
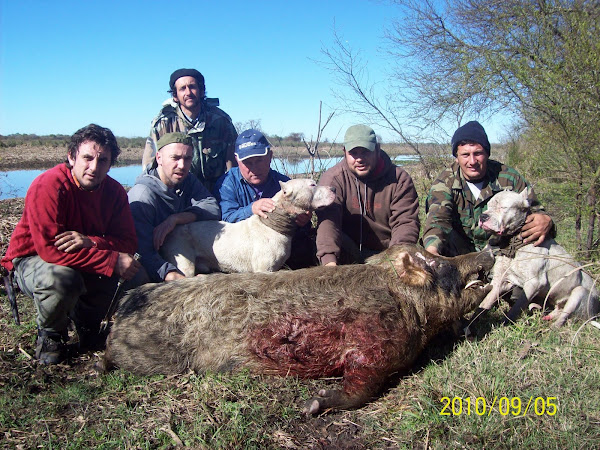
(14,183)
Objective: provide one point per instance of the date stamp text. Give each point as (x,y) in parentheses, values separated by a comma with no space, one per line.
(480,406)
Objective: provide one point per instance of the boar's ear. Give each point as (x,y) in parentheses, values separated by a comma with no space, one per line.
(409,272)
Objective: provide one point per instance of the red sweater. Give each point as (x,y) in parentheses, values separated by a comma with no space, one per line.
(54,204)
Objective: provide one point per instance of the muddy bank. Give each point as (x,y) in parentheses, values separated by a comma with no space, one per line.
(24,157)
(10,214)
(28,156)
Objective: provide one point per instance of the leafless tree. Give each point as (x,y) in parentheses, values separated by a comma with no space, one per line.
(537,59)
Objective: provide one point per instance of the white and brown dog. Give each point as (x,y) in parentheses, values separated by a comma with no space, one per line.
(547,274)
(255,244)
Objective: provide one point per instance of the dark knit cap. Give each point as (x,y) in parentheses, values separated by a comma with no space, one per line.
(186,73)
(470,131)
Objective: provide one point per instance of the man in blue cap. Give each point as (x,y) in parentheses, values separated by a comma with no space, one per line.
(248,189)
(461,193)
(189,111)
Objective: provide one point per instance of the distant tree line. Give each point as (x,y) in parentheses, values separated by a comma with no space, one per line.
(59,140)
(293,139)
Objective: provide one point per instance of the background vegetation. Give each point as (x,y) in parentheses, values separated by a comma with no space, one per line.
(460,60)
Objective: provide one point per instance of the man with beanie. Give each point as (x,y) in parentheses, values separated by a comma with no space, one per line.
(460,195)
(248,189)
(210,128)
(166,196)
(376,203)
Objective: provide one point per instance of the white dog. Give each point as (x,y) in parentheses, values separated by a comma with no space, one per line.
(547,273)
(251,245)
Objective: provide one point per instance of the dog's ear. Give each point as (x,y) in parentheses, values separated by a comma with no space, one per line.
(282,185)
(525,193)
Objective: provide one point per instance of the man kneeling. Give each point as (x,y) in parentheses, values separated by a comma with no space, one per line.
(73,243)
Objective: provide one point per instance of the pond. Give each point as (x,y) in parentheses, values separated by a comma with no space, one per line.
(15,183)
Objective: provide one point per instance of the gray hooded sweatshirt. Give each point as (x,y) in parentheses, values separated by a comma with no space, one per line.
(152,202)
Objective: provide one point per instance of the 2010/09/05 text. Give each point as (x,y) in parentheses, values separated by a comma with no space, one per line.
(539,406)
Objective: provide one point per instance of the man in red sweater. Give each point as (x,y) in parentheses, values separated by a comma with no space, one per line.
(73,243)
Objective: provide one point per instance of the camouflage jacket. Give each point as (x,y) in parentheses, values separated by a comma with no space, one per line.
(213,135)
(452,224)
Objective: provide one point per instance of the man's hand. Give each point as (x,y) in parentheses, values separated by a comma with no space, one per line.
(174,275)
(263,206)
(71,241)
(127,266)
(433,250)
(330,264)
(536,228)
(303,218)
(162,230)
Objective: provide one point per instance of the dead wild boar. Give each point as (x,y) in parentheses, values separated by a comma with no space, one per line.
(363,322)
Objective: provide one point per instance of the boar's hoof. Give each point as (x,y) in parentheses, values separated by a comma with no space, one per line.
(330,399)
(101,367)
(104,365)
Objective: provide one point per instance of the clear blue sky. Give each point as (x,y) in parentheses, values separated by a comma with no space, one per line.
(65,64)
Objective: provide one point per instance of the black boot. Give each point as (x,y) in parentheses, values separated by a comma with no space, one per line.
(50,347)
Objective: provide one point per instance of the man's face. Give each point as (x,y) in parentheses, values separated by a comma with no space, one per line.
(188,93)
(91,165)
(255,169)
(472,159)
(174,162)
(361,161)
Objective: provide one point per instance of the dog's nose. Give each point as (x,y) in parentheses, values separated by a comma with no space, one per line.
(483,217)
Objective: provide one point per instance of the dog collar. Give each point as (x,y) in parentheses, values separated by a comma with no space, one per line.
(508,245)
(280,221)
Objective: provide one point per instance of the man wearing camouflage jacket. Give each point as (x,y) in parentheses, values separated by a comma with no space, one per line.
(460,195)
(189,111)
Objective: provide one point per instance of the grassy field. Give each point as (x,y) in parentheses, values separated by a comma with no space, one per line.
(525,385)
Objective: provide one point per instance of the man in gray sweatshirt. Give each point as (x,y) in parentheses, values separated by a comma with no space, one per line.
(166,196)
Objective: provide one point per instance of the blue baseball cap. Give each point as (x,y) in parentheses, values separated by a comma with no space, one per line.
(251,143)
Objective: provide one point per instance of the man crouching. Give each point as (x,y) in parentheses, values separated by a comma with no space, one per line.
(73,242)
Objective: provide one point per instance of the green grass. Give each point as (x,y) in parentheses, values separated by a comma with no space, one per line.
(70,406)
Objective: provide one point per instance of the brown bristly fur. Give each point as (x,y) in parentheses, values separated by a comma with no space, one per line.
(362,322)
